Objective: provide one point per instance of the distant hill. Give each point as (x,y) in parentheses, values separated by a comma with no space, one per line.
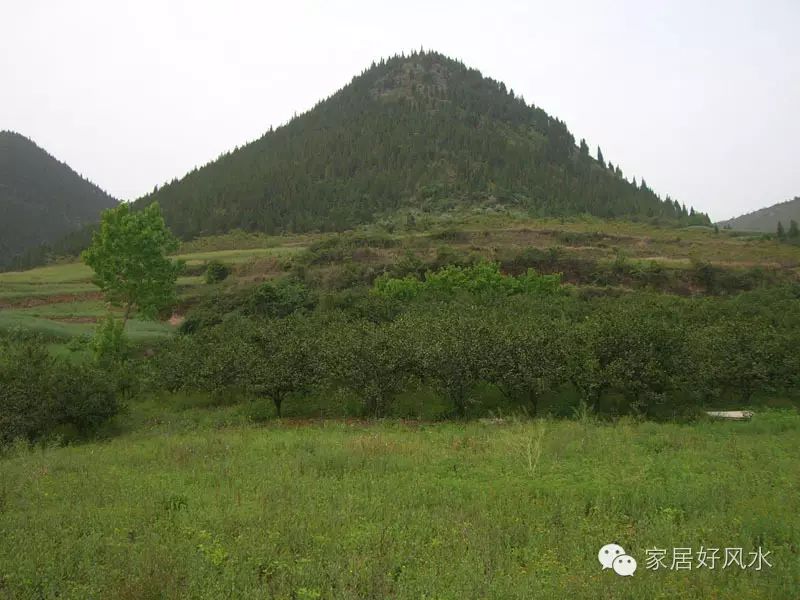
(766,219)
(420,131)
(41,199)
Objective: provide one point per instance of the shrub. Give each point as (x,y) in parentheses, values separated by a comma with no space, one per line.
(39,393)
(483,279)
(216,272)
(280,298)
(109,344)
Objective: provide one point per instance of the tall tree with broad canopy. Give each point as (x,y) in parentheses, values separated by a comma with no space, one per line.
(129,257)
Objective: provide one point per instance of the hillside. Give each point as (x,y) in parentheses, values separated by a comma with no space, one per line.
(767,219)
(41,198)
(421,132)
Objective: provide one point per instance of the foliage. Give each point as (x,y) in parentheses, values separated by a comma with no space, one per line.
(279,298)
(128,256)
(39,393)
(483,279)
(109,344)
(374,360)
(642,354)
(216,271)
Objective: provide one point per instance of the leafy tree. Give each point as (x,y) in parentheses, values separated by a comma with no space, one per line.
(373,360)
(528,357)
(639,354)
(129,257)
(450,350)
(283,360)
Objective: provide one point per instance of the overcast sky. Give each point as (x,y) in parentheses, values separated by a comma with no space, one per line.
(699,97)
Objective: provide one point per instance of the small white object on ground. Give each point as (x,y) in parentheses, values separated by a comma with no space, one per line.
(731,415)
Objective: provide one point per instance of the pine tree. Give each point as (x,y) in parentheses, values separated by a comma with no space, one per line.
(600,158)
(780,231)
(793,230)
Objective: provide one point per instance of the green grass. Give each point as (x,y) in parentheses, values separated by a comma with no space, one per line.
(196,504)
(138,330)
(77,309)
(237,256)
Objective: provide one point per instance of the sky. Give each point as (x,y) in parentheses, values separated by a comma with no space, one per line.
(700,97)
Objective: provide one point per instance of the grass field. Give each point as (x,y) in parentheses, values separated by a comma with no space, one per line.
(197,504)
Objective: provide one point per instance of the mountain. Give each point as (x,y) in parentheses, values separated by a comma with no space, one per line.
(41,198)
(767,219)
(420,131)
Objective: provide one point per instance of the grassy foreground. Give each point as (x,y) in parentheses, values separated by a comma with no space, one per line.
(400,510)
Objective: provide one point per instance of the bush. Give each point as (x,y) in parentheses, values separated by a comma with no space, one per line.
(484,280)
(216,272)
(280,298)
(39,393)
(109,344)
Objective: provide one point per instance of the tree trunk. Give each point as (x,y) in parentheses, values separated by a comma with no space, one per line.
(126,316)
(533,400)
(277,400)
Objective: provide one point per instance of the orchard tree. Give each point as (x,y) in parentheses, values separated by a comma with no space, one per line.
(282,359)
(129,257)
(373,360)
(529,357)
(451,351)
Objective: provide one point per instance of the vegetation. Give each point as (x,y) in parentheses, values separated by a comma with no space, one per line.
(640,355)
(352,394)
(128,256)
(41,396)
(421,131)
(41,200)
(194,502)
(766,219)
(216,271)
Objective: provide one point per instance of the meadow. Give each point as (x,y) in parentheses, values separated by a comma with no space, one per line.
(178,507)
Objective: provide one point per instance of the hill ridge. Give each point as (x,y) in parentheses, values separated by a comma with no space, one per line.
(417,132)
(42,199)
(766,219)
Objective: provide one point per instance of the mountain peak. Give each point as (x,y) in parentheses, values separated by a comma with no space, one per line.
(41,198)
(412,132)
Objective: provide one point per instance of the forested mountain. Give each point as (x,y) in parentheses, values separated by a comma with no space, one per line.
(419,131)
(767,219)
(41,198)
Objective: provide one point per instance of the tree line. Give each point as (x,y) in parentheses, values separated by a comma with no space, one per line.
(658,357)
